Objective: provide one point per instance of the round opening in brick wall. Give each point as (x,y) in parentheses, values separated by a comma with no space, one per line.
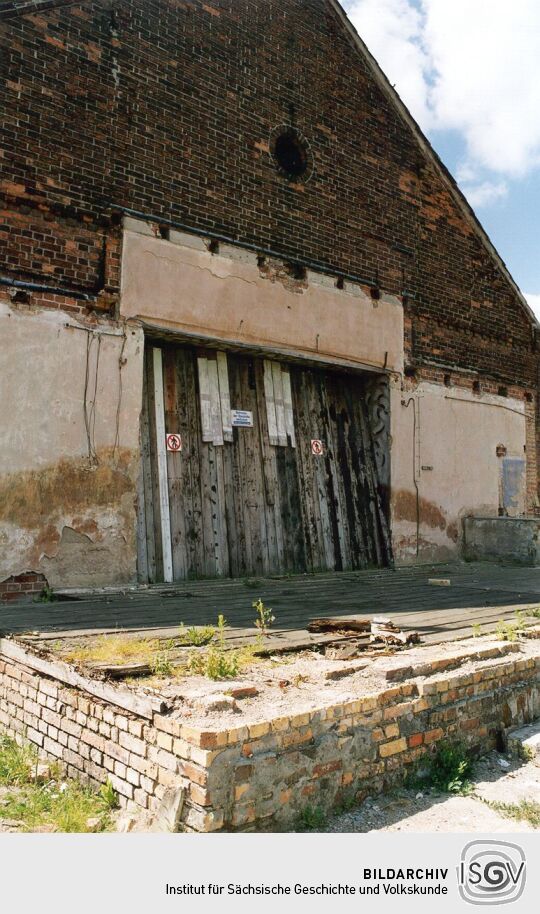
(291,153)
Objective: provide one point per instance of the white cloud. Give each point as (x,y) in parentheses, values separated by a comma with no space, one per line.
(467,65)
(392,30)
(485,192)
(534,302)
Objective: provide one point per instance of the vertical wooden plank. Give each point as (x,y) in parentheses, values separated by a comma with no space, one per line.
(361,459)
(347,445)
(320,472)
(330,407)
(215,402)
(307,428)
(175,461)
(222,553)
(145,525)
(287,403)
(382,535)
(224,395)
(270,403)
(272,504)
(142,548)
(251,470)
(230,497)
(208,502)
(297,544)
(193,448)
(151,479)
(162,465)
(242,546)
(205,400)
(279,404)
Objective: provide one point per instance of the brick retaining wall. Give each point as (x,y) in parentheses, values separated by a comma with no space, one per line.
(261,775)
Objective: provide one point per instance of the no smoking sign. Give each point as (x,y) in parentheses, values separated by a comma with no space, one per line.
(174,443)
(317,447)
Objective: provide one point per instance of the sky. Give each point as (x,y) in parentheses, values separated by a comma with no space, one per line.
(469,72)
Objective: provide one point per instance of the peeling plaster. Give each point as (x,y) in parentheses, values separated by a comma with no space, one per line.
(48,483)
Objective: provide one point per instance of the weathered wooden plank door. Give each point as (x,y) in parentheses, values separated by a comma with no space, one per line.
(257,499)
(342,513)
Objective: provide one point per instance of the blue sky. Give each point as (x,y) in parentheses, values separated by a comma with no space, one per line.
(469,72)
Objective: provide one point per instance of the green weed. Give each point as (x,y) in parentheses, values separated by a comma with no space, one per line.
(507,631)
(264,616)
(161,665)
(217,662)
(196,637)
(447,770)
(311,817)
(109,796)
(47,595)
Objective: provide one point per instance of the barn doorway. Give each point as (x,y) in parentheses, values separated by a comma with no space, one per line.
(251,466)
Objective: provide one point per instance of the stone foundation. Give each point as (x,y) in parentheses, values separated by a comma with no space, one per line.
(260,776)
(502,539)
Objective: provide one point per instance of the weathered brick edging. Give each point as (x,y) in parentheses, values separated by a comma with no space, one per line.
(261,775)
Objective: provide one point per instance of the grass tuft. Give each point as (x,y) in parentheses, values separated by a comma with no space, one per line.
(525,811)
(311,817)
(53,806)
(16,763)
(115,649)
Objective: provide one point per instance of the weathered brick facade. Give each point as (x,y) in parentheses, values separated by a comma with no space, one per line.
(166,108)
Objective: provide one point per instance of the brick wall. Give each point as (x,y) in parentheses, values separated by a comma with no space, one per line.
(167,108)
(19,586)
(96,741)
(269,772)
(261,775)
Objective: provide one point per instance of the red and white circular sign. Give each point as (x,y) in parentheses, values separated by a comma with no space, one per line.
(174,443)
(317,447)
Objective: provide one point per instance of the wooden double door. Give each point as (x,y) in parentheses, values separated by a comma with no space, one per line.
(292,487)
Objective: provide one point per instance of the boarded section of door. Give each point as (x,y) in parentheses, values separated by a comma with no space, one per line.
(259,499)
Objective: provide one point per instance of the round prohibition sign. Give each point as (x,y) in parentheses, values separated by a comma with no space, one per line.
(317,447)
(174,443)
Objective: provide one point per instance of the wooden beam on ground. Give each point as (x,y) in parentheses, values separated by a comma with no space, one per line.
(144,706)
(339,625)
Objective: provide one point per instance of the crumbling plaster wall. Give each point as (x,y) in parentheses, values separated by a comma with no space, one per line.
(229,296)
(452,455)
(68,495)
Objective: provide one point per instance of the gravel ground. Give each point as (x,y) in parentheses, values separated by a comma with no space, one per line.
(497,778)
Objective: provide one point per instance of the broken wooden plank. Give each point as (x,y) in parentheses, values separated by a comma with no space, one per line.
(345,650)
(339,625)
(397,637)
(142,705)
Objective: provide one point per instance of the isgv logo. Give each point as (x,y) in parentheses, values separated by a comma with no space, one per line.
(491,872)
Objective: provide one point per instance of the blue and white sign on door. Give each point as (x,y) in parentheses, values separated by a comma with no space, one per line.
(241,418)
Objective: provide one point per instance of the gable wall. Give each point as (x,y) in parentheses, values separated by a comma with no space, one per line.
(167,107)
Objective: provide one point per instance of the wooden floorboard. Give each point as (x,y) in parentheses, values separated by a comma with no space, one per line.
(478,593)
